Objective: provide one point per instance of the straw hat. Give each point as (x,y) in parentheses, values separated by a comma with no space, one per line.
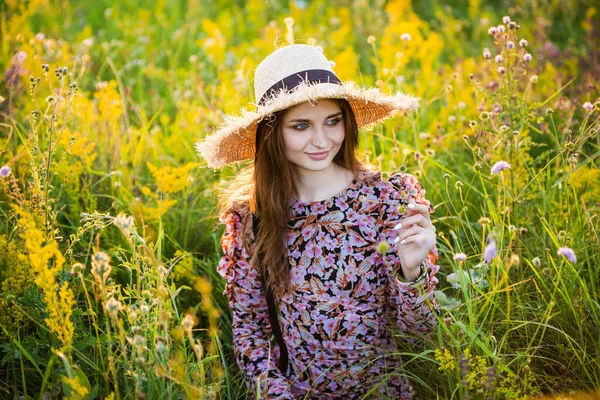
(292,75)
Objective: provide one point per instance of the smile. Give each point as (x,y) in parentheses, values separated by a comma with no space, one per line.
(318,156)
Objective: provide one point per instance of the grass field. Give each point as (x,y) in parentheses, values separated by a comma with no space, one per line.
(109,235)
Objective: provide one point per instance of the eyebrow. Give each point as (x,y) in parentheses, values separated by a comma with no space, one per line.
(308,120)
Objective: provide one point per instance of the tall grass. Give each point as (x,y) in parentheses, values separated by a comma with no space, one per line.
(108,227)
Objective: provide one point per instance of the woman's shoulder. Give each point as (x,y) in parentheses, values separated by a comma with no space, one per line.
(235,214)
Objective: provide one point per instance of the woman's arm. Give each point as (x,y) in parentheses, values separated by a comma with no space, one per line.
(251,328)
(412,300)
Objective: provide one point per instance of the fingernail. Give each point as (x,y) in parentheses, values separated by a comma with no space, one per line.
(398,226)
(411,206)
(402,242)
(396,240)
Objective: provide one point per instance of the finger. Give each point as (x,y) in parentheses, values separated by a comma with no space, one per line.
(413,208)
(418,219)
(413,230)
(422,239)
(422,210)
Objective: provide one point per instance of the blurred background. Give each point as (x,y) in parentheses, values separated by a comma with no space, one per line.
(109,230)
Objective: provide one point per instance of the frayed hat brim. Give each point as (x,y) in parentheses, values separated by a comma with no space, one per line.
(234,141)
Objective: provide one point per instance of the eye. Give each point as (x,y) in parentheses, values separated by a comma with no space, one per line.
(300,127)
(333,121)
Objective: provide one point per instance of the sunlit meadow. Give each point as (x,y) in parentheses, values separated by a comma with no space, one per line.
(109,237)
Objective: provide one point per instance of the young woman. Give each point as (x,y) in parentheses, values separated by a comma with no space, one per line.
(341,252)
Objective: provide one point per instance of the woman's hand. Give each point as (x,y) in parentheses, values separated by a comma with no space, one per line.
(416,238)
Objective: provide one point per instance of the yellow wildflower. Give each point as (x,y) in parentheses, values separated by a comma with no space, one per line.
(101,267)
(445,358)
(76,389)
(46,261)
(170,179)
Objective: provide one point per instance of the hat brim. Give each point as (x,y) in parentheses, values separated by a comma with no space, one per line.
(234,141)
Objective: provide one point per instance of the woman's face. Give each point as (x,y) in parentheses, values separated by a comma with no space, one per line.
(313,134)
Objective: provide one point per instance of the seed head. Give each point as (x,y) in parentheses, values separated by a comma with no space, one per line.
(487,54)
(510,45)
(371,39)
(536,262)
(77,268)
(499,58)
(505,19)
(188,322)
(459,257)
(523,43)
(534,79)
(527,57)
(124,223)
(492,30)
(501,28)
(587,106)
(112,306)
(484,221)
(100,266)
(515,260)
(405,36)
(139,341)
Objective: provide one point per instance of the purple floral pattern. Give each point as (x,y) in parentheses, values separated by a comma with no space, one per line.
(345,294)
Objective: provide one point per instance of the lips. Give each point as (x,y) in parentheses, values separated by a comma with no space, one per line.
(318,156)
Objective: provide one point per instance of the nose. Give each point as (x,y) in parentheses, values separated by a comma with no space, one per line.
(319,138)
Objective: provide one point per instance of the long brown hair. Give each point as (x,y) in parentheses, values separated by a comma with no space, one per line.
(267,187)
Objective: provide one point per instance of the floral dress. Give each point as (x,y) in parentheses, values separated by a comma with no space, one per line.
(345,294)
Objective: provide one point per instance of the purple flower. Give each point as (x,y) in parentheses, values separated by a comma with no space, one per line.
(4,171)
(490,251)
(527,57)
(499,166)
(460,257)
(567,253)
(587,105)
(523,43)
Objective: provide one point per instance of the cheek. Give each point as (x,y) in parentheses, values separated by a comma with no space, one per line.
(338,135)
(292,142)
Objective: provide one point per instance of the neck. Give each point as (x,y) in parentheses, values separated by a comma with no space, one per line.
(320,185)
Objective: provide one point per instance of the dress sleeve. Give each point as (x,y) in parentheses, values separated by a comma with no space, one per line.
(412,302)
(251,328)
